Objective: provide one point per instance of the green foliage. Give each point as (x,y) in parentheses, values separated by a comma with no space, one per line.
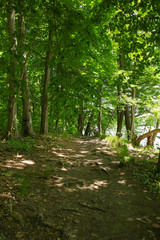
(123,154)
(88,40)
(146,170)
(6,174)
(23,145)
(114,141)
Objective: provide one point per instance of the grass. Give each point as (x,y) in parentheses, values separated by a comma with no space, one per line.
(143,162)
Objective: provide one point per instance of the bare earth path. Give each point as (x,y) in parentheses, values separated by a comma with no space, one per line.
(76,191)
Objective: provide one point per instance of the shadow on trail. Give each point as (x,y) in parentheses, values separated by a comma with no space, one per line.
(80,191)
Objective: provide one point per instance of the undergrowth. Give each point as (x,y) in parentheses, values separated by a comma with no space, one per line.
(21,145)
(30,145)
(144,164)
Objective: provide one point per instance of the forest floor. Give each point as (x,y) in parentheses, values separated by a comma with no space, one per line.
(73,189)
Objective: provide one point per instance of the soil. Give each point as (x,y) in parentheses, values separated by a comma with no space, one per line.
(73,189)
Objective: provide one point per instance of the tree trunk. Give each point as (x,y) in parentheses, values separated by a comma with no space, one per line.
(139,139)
(81,119)
(150,140)
(133,113)
(100,112)
(12,129)
(27,129)
(127,121)
(155,135)
(57,125)
(45,95)
(80,123)
(88,128)
(158,163)
(120,114)
(120,111)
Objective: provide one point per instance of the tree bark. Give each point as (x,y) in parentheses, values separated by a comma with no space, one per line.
(120,114)
(80,123)
(88,127)
(27,128)
(133,113)
(158,163)
(45,95)
(100,122)
(139,139)
(57,125)
(127,121)
(12,129)
(155,135)
(120,111)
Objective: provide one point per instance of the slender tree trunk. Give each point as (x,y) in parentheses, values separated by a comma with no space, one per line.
(120,114)
(100,111)
(158,163)
(133,113)
(57,125)
(155,135)
(27,129)
(45,95)
(80,123)
(81,119)
(88,127)
(12,129)
(127,121)
(63,125)
(127,118)
(100,121)
(150,140)
(120,111)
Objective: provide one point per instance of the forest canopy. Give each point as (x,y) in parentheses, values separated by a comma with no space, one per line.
(80,66)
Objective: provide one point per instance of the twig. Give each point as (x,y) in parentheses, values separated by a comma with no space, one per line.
(92,207)
(69,209)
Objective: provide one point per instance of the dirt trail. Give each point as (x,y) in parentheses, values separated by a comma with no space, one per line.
(77,192)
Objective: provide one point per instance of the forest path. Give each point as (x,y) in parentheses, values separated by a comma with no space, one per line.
(76,191)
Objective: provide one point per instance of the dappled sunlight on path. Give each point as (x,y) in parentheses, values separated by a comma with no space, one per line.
(82,186)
